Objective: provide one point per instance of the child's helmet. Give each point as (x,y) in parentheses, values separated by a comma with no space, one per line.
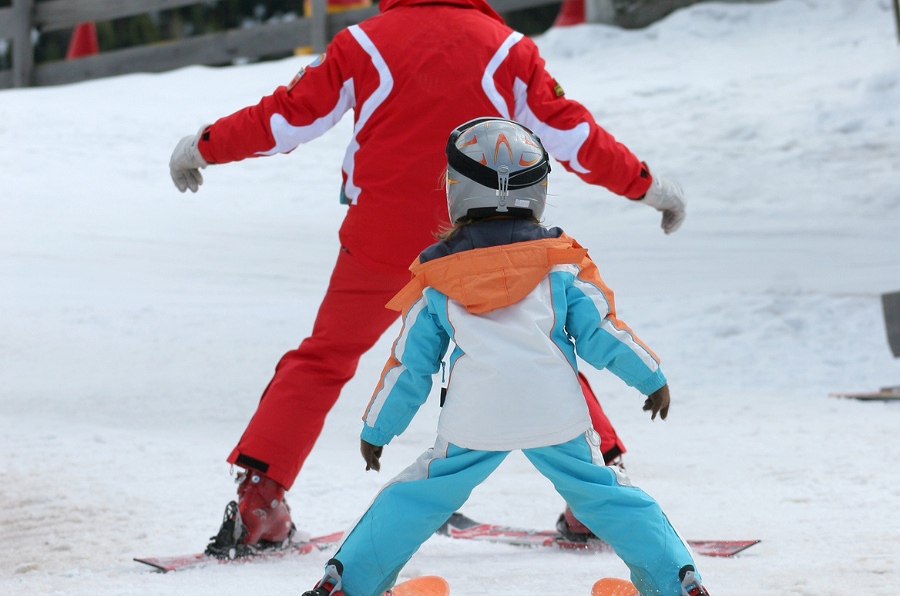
(495,166)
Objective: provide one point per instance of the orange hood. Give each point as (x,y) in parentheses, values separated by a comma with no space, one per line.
(484,279)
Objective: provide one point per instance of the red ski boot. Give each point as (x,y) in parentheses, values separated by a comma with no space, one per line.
(263,510)
(572,529)
(259,520)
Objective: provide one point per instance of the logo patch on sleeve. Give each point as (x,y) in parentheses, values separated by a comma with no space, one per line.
(558,90)
(319,60)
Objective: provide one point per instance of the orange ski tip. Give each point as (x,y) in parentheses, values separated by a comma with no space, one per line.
(425,585)
(613,586)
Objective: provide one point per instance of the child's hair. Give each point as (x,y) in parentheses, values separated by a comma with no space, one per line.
(447,232)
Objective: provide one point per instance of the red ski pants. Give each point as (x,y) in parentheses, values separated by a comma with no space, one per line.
(308,380)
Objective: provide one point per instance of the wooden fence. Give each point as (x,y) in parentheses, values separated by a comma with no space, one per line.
(24,16)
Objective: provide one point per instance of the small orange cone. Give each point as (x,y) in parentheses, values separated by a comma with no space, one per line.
(571,13)
(332,7)
(84,41)
(337,5)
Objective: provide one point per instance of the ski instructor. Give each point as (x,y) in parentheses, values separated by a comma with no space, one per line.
(410,75)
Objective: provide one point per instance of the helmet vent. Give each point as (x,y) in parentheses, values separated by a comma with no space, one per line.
(502,186)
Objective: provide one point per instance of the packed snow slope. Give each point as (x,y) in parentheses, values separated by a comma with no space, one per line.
(139,326)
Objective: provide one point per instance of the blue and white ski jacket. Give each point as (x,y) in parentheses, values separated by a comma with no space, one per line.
(517,300)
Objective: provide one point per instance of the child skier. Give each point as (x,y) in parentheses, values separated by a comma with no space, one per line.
(517,299)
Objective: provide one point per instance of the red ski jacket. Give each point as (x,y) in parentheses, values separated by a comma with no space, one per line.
(411,75)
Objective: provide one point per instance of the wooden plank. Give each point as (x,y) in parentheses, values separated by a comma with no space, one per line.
(319,28)
(897,17)
(7,25)
(217,48)
(211,49)
(510,5)
(345,18)
(55,15)
(22,52)
(7,30)
(891,304)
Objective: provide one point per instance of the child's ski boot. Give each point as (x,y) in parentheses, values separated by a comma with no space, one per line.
(689,584)
(330,584)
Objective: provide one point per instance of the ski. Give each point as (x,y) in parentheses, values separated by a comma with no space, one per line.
(883,394)
(613,586)
(179,562)
(425,585)
(460,526)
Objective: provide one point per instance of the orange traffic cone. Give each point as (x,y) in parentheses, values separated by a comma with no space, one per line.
(571,13)
(337,5)
(84,41)
(333,6)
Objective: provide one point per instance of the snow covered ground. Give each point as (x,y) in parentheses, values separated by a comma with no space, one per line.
(139,325)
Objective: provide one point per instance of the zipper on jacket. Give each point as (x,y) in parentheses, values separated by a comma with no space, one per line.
(443,385)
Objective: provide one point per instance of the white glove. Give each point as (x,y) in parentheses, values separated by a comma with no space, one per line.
(666,196)
(186,162)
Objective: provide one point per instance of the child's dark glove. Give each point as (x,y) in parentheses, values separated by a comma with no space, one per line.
(658,402)
(371,453)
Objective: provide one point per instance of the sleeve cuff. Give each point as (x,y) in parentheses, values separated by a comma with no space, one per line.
(203,146)
(637,190)
(652,383)
(377,437)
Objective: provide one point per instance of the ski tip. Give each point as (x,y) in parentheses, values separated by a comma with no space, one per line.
(425,585)
(883,394)
(162,568)
(613,586)
(721,548)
